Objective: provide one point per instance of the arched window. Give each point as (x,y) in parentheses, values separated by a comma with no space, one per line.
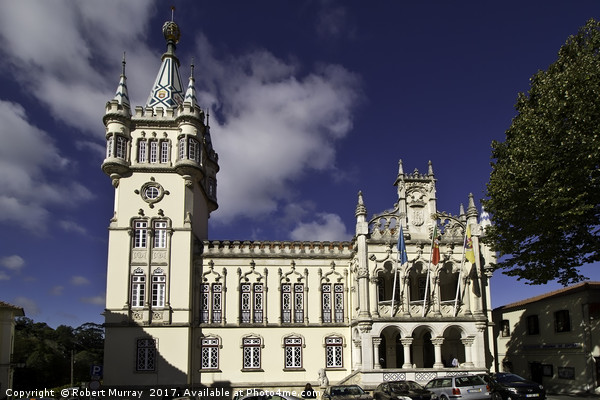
(140,235)
(138,289)
(251,352)
(293,352)
(209,353)
(334,352)
(159,284)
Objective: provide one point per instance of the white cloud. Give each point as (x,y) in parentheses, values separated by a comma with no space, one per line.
(29,305)
(97,300)
(14,262)
(4,276)
(277,125)
(327,227)
(70,226)
(79,281)
(26,191)
(57,290)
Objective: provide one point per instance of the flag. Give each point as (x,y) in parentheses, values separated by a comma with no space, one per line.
(402,257)
(435,257)
(469,254)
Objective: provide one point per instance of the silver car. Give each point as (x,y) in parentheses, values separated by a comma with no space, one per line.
(464,387)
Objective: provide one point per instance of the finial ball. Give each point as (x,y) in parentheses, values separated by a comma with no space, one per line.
(171,31)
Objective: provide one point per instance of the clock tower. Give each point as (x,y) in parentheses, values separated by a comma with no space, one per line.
(163,169)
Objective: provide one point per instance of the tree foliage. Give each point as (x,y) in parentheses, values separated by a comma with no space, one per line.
(544,189)
(43,355)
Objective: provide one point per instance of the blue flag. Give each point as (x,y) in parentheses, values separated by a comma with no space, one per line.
(402,257)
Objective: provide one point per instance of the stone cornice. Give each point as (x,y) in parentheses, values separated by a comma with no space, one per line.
(283,249)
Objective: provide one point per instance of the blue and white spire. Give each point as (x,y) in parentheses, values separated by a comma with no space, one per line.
(121,96)
(167,91)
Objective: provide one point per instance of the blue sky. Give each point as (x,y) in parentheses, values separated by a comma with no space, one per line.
(310,102)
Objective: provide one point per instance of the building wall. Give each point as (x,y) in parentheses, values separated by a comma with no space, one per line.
(7,337)
(563,361)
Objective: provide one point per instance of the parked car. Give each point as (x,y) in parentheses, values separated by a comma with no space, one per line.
(515,387)
(346,392)
(465,387)
(402,390)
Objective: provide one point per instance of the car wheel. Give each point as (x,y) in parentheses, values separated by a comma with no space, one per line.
(443,397)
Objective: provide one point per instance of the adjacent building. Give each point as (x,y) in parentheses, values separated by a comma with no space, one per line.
(8,313)
(185,310)
(553,339)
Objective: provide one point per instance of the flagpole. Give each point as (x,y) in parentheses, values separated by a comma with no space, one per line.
(426,295)
(462,265)
(395,280)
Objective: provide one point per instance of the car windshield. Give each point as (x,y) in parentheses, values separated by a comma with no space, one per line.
(347,391)
(405,386)
(509,378)
(469,380)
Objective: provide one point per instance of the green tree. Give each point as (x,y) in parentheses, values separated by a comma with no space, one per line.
(544,189)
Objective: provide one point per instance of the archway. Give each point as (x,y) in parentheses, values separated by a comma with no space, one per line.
(391,352)
(453,346)
(422,349)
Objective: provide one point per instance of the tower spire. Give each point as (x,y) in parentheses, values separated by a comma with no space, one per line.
(167,91)
(121,95)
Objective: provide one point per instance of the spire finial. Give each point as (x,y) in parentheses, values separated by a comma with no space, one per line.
(400,169)
(123,62)
(172,13)
(192,69)
(430,168)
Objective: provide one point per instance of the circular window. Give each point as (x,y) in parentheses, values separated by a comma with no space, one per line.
(152,192)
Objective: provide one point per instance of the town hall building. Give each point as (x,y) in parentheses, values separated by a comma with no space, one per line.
(409,293)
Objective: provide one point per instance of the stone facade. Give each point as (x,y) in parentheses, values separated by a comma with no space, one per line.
(186,311)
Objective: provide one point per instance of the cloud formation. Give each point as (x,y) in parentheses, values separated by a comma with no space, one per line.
(327,227)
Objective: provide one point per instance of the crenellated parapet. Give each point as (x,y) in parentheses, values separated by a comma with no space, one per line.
(292,249)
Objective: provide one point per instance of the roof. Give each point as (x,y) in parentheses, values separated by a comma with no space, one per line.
(19,310)
(588,285)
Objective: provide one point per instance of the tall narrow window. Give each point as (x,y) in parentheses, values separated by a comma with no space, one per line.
(110,146)
(338,302)
(158,290)
(258,303)
(138,290)
(299,302)
(146,355)
(293,352)
(286,303)
(193,150)
(204,303)
(153,151)
(533,325)
(160,234)
(121,149)
(217,297)
(140,234)
(326,302)
(142,151)
(209,353)
(245,303)
(181,152)
(505,327)
(251,347)
(164,151)
(333,352)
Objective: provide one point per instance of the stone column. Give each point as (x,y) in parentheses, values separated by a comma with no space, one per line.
(406,342)
(405,295)
(374,293)
(376,343)
(357,353)
(436,296)
(468,343)
(437,342)
(467,296)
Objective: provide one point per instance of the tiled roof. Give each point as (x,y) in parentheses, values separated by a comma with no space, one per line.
(575,288)
(16,308)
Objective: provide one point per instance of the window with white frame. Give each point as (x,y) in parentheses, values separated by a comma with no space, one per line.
(299,303)
(153,151)
(109,147)
(245,305)
(121,148)
(160,234)
(333,352)
(258,303)
(138,289)
(251,350)
(204,303)
(142,151)
(159,284)
(193,150)
(217,306)
(140,235)
(181,150)
(164,151)
(332,304)
(146,355)
(209,353)
(293,352)
(286,303)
